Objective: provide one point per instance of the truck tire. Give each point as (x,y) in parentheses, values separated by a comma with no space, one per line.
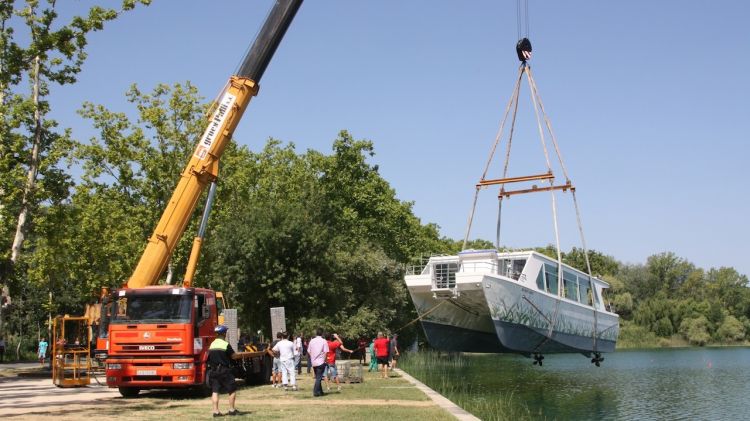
(129,392)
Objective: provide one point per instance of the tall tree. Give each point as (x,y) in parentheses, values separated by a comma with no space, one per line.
(54,54)
(36,51)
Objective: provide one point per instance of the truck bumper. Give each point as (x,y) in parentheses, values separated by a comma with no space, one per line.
(153,373)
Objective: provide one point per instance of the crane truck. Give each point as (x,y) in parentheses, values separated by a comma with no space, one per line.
(157,336)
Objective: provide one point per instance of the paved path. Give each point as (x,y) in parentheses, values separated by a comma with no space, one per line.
(21,397)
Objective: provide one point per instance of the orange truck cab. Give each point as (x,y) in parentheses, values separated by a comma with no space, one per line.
(159,337)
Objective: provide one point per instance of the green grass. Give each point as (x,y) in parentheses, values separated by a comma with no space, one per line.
(445,374)
(375,398)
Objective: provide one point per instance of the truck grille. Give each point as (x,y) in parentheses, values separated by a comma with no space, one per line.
(148,347)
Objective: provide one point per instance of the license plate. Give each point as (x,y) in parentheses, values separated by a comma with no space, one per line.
(146,372)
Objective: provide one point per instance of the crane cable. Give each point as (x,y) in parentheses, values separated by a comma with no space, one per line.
(522,18)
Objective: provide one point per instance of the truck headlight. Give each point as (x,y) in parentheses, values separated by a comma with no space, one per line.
(182,366)
(114,366)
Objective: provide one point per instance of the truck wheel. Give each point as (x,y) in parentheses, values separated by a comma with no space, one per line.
(129,392)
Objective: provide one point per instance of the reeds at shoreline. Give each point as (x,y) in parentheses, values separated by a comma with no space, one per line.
(446,373)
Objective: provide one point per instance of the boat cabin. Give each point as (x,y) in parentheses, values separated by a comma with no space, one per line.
(529,268)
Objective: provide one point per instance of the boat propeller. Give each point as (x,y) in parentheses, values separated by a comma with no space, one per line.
(597,358)
(538,359)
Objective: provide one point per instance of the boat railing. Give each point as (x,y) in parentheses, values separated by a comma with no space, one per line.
(416,269)
(483,267)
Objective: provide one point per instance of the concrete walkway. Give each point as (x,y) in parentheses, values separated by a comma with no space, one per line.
(439,399)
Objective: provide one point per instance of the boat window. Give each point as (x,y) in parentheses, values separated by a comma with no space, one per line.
(540,280)
(571,286)
(586,293)
(550,273)
(445,275)
(512,268)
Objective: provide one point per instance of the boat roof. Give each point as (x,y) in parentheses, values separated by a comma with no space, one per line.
(484,253)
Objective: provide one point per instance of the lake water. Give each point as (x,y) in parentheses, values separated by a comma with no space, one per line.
(665,384)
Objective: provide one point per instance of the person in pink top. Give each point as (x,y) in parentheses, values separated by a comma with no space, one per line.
(318,350)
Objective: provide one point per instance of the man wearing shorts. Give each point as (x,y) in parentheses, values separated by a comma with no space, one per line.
(276,367)
(382,347)
(220,376)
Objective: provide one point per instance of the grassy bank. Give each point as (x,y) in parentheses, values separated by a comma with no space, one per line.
(446,374)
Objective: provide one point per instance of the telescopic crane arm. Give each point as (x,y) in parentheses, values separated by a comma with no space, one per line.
(203,166)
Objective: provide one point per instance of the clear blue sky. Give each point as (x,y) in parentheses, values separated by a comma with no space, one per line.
(649,101)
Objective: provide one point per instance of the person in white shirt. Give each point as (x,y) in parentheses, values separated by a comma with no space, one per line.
(298,353)
(285,349)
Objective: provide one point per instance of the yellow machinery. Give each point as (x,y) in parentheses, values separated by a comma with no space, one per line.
(71,362)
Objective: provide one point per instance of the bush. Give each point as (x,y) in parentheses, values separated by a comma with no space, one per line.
(695,330)
(664,327)
(636,336)
(731,330)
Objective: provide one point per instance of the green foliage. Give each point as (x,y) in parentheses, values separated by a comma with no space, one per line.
(731,330)
(322,235)
(38,51)
(636,336)
(695,330)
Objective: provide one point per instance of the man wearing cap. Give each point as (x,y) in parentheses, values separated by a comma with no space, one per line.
(221,378)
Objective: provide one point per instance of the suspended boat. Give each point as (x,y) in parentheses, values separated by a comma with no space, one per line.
(519,301)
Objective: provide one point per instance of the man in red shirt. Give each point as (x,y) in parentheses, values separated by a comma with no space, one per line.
(334,343)
(382,347)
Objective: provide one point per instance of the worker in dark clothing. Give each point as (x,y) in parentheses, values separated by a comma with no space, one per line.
(220,376)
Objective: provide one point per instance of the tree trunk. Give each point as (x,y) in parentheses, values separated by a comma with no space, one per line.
(28,192)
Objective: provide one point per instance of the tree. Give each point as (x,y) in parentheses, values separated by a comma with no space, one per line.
(695,330)
(601,264)
(730,330)
(37,50)
(129,172)
(54,54)
(322,235)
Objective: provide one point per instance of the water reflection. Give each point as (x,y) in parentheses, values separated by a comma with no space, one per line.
(700,383)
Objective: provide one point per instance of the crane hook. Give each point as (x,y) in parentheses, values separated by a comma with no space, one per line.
(523,49)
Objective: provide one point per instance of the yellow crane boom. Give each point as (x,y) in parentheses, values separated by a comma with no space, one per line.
(203,166)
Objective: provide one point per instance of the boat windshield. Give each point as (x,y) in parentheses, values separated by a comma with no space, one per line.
(152,308)
(512,268)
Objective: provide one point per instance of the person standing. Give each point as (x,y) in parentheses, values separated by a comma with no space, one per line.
(373,357)
(298,352)
(382,347)
(334,343)
(2,349)
(317,350)
(394,352)
(285,349)
(362,350)
(306,351)
(42,351)
(220,376)
(276,367)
